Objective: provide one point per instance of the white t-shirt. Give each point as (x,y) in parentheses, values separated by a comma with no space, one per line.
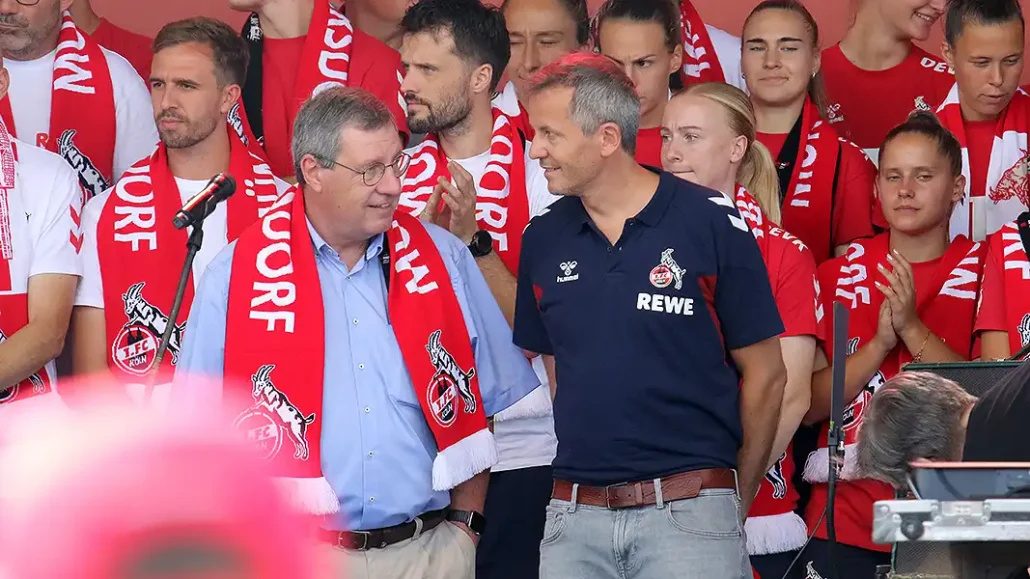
(46,193)
(32,94)
(527,442)
(91,288)
(727,49)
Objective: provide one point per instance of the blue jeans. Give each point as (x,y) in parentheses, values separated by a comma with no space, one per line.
(700,537)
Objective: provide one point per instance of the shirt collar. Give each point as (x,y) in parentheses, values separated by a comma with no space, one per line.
(652,213)
(375,245)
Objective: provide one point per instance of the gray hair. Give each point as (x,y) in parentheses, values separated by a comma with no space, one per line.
(914,415)
(320,123)
(601,93)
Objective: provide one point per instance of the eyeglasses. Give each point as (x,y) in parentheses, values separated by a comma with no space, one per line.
(376,171)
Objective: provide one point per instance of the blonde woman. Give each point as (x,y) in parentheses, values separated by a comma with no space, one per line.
(708,137)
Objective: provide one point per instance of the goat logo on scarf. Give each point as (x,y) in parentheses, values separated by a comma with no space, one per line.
(1024,330)
(776,478)
(1013,183)
(236,122)
(11,393)
(91,179)
(135,347)
(273,418)
(448,383)
(853,413)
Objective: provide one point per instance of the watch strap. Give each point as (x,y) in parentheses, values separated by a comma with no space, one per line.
(476,522)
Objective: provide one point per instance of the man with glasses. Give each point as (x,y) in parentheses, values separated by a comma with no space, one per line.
(132,254)
(472,174)
(71,96)
(361,350)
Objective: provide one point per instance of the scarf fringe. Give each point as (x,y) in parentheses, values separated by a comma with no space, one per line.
(536,404)
(817,466)
(775,533)
(463,460)
(313,496)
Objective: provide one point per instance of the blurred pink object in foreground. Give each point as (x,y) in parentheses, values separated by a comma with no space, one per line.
(112,492)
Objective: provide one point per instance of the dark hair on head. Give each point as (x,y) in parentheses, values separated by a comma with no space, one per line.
(816,86)
(231,54)
(662,12)
(480,36)
(926,124)
(578,11)
(984,12)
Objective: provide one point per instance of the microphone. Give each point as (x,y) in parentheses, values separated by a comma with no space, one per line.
(218,189)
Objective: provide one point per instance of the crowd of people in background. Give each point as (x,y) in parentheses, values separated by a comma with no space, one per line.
(446,210)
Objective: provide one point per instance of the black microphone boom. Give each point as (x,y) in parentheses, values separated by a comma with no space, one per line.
(218,189)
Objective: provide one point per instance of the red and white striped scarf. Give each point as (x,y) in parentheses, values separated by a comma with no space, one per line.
(1007,188)
(700,61)
(1006,245)
(502,205)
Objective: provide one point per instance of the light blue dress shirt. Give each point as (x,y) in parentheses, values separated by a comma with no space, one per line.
(377,450)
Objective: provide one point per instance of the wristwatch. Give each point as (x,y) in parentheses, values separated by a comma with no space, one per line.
(482,244)
(471,519)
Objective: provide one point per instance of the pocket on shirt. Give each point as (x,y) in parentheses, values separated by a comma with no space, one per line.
(714,514)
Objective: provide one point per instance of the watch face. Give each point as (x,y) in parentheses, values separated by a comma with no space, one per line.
(482,242)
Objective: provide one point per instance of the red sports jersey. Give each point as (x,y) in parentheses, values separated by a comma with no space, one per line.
(374,67)
(135,48)
(649,147)
(865,105)
(852,201)
(1005,292)
(946,292)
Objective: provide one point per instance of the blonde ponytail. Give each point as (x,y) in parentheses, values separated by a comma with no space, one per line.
(758,174)
(757,171)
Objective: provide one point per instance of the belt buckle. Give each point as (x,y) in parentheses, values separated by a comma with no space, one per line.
(608,496)
(364,544)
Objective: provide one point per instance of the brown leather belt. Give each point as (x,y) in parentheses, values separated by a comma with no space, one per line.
(677,487)
(380,538)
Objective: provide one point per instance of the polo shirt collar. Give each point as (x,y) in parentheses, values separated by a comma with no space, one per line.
(652,213)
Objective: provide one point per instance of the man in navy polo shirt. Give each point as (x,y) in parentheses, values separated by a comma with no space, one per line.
(650,300)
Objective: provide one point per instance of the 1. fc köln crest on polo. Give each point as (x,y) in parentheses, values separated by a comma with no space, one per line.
(449,383)
(667,272)
(135,347)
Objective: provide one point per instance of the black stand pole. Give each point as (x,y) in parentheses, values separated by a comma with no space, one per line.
(193,244)
(836,434)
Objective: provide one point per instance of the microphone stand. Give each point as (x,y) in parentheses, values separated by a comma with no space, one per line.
(196,239)
(836,435)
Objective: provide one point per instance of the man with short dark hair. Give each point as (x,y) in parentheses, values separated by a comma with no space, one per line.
(473,175)
(361,351)
(298,48)
(923,416)
(650,298)
(987,112)
(71,96)
(131,264)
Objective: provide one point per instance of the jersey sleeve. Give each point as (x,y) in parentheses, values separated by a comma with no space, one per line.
(90,292)
(854,202)
(990,315)
(795,291)
(529,331)
(59,238)
(743,297)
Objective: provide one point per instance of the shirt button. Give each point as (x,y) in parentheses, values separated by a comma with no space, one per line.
(367,410)
(609,250)
(355,321)
(361,366)
(371,453)
(371,499)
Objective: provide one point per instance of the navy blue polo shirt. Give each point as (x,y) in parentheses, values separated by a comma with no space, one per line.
(641,332)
